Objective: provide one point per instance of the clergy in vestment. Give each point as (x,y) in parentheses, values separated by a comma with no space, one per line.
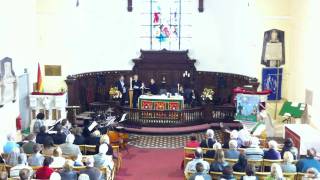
(137,89)
(153,88)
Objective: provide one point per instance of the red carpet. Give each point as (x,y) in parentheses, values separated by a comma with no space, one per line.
(151,164)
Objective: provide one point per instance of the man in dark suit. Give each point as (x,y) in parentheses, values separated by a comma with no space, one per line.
(122,88)
(137,89)
(153,88)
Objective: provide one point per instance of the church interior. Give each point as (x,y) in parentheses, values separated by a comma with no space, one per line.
(159,89)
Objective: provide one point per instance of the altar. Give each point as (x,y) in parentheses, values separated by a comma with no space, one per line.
(161,102)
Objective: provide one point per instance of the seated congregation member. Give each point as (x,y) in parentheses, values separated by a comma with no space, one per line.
(24,174)
(22,164)
(3,175)
(65,127)
(219,162)
(67,171)
(200,174)
(94,138)
(42,135)
(68,148)
(84,177)
(101,159)
(55,176)
(250,173)
(59,137)
(104,139)
(38,123)
(308,162)
(209,141)
(244,137)
(192,143)
(288,146)
(276,173)
(287,166)
(312,173)
(227,174)
(48,146)
(232,152)
(79,139)
(198,158)
(57,159)
(12,158)
(254,152)
(93,172)
(272,153)
(10,144)
(153,88)
(28,146)
(36,159)
(211,153)
(233,135)
(45,171)
(241,164)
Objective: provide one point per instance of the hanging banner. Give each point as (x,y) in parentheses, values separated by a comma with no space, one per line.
(272,80)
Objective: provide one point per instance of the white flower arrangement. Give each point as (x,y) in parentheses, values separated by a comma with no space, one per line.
(207,94)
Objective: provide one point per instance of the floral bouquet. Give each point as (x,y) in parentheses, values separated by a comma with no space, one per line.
(115,93)
(207,94)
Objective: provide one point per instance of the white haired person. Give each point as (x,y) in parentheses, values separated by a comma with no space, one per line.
(12,158)
(68,148)
(276,173)
(83,177)
(272,153)
(102,160)
(312,173)
(191,165)
(10,144)
(232,152)
(209,141)
(22,164)
(254,152)
(104,139)
(93,172)
(211,153)
(287,166)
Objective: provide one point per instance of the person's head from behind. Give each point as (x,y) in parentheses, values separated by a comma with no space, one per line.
(242,160)
(312,173)
(227,170)
(55,176)
(276,171)
(288,143)
(234,134)
(47,161)
(31,138)
(43,129)
(90,162)
(36,148)
(311,152)
(273,145)
(254,142)
(216,146)
(250,170)
(288,157)
(199,167)
(104,139)
(70,139)
(68,165)
(11,137)
(40,116)
(233,144)
(210,134)
(24,174)
(22,159)
(84,177)
(57,152)
(64,122)
(193,137)
(3,175)
(103,149)
(48,142)
(219,156)
(198,153)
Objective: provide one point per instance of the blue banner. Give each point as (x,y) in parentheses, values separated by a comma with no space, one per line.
(272,80)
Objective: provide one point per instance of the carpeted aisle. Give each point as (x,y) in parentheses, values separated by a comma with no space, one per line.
(151,164)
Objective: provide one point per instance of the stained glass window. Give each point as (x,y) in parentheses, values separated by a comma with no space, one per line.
(166,24)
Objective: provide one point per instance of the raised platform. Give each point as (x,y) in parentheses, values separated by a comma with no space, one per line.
(180,130)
